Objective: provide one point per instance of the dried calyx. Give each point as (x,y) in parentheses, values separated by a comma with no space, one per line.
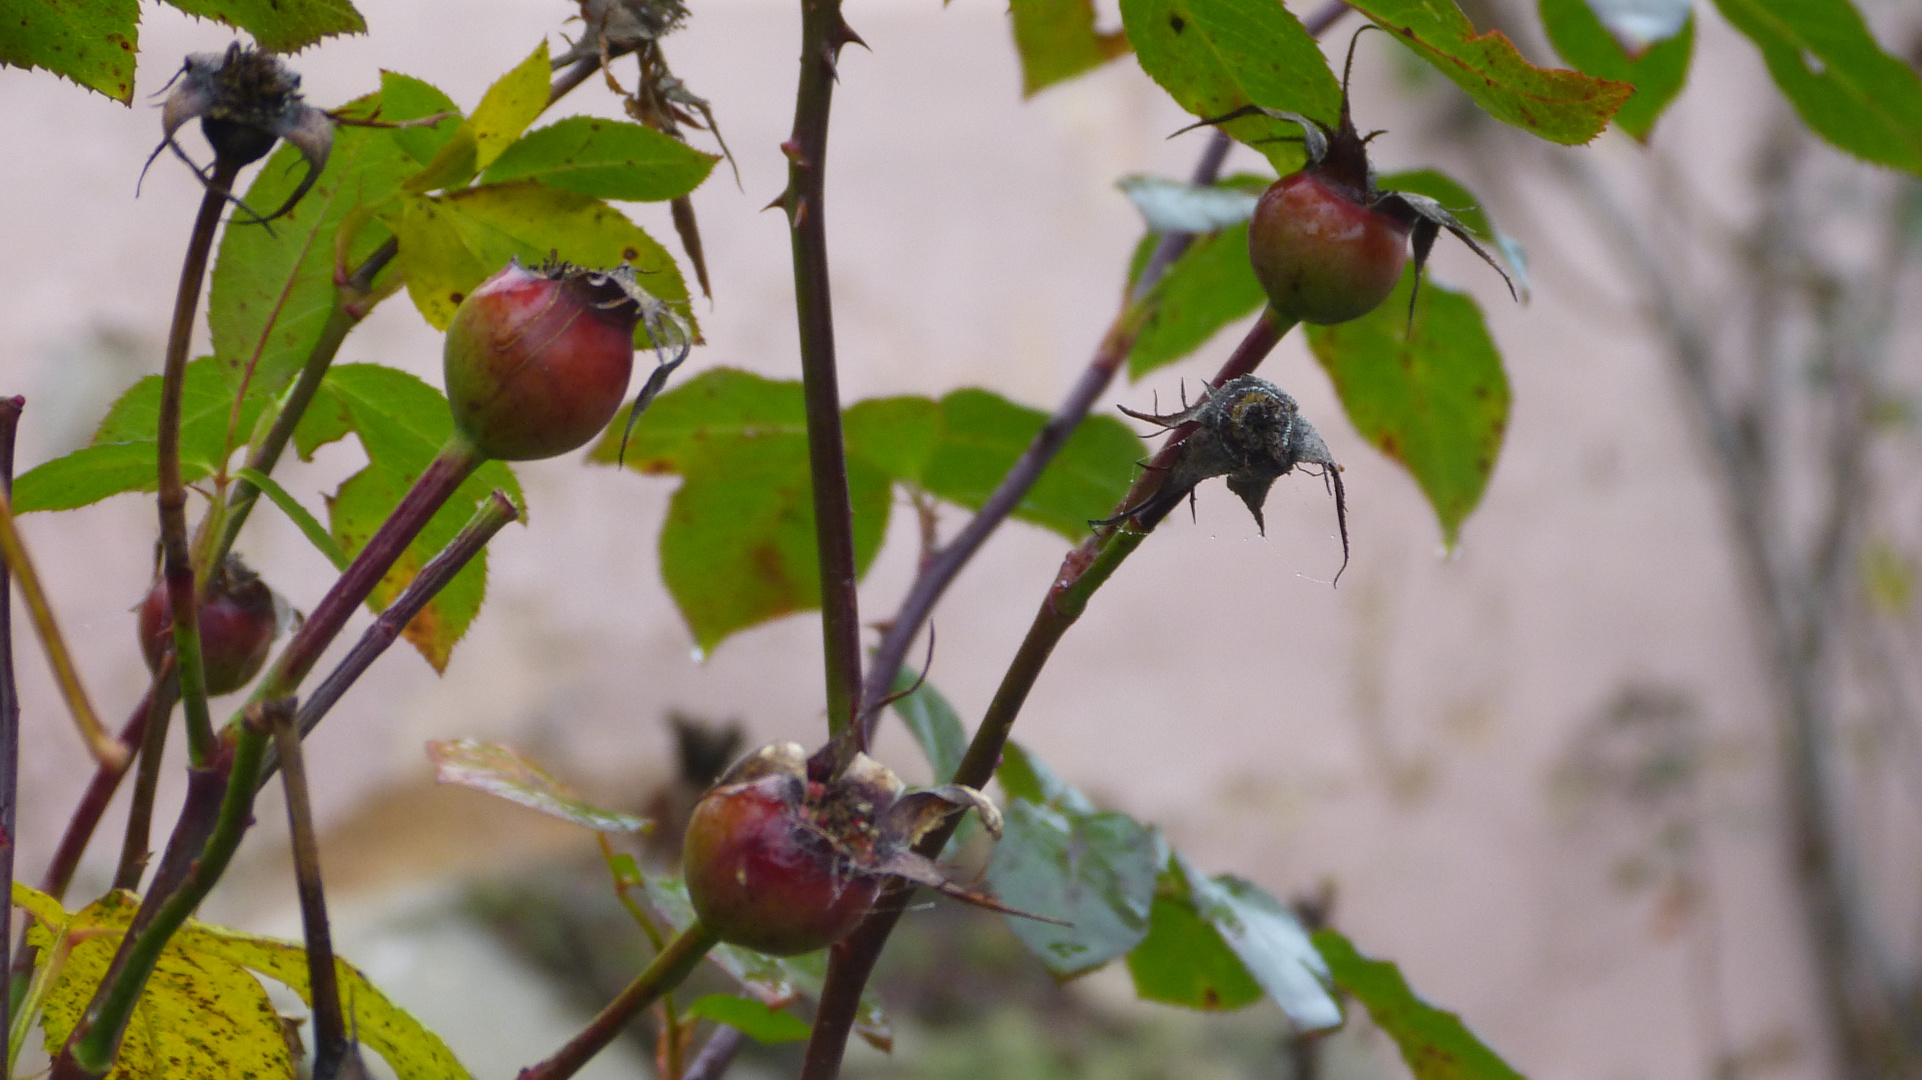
(786,865)
(245,100)
(1248,431)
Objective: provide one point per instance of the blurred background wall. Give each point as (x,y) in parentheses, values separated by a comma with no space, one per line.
(1541,773)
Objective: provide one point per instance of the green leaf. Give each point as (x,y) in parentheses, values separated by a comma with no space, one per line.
(1184,961)
(774,982)
(199,1015)
(1214,56)
(403,97)
(450,244)
(273,291)
(983,434)
(506,773)
(296,513)
(91,474)
(1827,63)
(738,547)
(1220,943)
(403,423)
(512,103)
(1561,106)
(1057,40)
(1657,73)
(934,724)
(605,159)
(283,26)
(753,1018)
(1096,870)
(897,435)
(1210,286)
(1023,776)
(414,1052)
(1435,1043)
(715,409)
(1436,402)
(92,44)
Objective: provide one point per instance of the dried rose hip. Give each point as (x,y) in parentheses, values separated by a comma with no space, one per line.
(784,865)
(537,361)
(238,624)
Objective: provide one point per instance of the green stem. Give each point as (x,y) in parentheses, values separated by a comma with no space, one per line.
(95,1042)
(823,33)
(146,782)
(671,965)
(177,568)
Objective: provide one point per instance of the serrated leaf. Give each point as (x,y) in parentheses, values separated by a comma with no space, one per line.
(1184,961)
(1214,56)
(935,725)
(1435,1043)
(199,1015)
(1846,89)
(283,26)
(1096,871)
(403,97)
(1657,73)
(1561,106)
(605,159)
(1057,41)
(714,409)
(506,773)
(752,1018)
(91,474)
(402,423)
(774,982)
(92,44)
(273,291)
(1211,285)
(1437,401)
(512,103)
(984,434)
(413,1052)
(450,244)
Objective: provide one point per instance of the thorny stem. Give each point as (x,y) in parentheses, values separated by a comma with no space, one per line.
(493,515)
(937,573)
(331,1044)
(669,967)
(823,33)
(9,726)
(153,744)
(106,749)
(176,559)
(95,1041)
(1085,569)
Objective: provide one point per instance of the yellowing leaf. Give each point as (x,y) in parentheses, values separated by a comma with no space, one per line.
(509,105)
(505,772)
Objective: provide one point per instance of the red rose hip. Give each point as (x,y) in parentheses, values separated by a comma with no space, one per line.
(537,361)
(1322,256)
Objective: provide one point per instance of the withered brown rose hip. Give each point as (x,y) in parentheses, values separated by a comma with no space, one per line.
(238,624)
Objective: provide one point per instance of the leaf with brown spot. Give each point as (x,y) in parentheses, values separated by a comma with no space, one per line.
(1434,1042)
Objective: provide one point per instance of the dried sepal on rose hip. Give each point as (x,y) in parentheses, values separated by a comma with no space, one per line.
(245,100)
(1326,245)
(785,865)
(239,619)
(537,361)
(1249,431)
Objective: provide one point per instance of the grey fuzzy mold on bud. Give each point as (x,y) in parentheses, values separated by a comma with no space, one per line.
(1248,431)
(246,100)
